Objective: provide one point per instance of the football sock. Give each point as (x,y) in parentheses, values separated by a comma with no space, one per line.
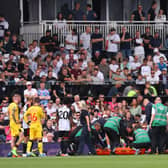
(40,147)
(29,145)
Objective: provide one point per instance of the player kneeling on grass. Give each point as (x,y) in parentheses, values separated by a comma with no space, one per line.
(140,137)
(33,117)
(15,124)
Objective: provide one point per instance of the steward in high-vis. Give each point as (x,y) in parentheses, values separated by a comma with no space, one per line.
(141,138)
(112,132)
(159,120)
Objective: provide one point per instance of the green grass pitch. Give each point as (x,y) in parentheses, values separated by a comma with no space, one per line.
(145,161)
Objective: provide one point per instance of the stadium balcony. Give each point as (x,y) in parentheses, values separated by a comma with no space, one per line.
(34,30)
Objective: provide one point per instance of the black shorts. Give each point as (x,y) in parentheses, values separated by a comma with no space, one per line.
(26,132)
(64,134)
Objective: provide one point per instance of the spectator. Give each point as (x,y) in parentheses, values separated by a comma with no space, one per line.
(43,94)
(112,41)
(162,65)
(77,12)
(7,45)
(150,90)
(85,39)
(145,69)
(94,77)
(72,40)
(115,90)
(97,41)
(155,42)
(125,45)
(30,92)
(47,41)
(50,109)
(153,79)
(84,78)
(135,66)
(56,43)
(76,71)
(138,15)
(60,23)
(157,55)
(97,57)
(113,65)
(3,26)
(117,78)
(135,108)
(151,11)
(147,37)
(139,49)
(104,68)
(163,78)
(90,14)
(166,42)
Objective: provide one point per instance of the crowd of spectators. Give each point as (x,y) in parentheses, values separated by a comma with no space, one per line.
(45,69)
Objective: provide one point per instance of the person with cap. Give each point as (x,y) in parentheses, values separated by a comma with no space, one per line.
(157,55)
(111,45)
(158,123)
(29,92)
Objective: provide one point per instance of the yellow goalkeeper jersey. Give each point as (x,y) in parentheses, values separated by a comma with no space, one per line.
(34,114)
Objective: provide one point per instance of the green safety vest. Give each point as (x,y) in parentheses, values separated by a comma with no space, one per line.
(113,123)
(160,115)
(78,134)
(141,136)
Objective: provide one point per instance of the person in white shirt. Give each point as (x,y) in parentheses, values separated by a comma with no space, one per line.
(113,66)
(30,53)
(153,79)
(50,108)
(30,92)
(135,65)
(100,74)
(71,52)
(76,103)
(145,69)
(157,55)
(94,77)
(139,49)
(3,26)
(112,41)
(64,117)
(85,39)
(35,47)
(71,40)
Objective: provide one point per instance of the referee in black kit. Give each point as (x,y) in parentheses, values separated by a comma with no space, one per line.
(86,130)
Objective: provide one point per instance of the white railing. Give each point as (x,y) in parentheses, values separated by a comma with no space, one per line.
(35,31)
